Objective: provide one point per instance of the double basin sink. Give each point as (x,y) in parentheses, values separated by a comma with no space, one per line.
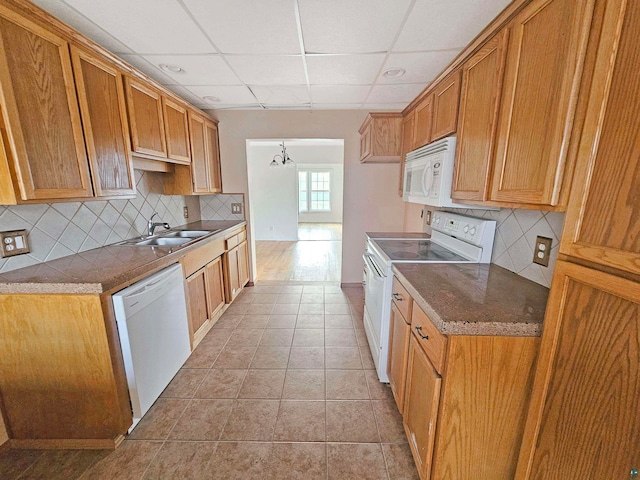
(172,238)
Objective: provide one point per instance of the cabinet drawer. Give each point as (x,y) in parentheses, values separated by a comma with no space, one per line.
(402,299)
(194,261)
(432,341)
(237,239)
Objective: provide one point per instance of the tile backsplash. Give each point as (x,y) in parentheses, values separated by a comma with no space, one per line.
(516,238)
(60,229)
(218,207)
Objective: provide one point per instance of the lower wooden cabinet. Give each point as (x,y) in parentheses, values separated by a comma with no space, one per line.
(205,296)
(237,270)
(421,407)
(399,334)
(214,280)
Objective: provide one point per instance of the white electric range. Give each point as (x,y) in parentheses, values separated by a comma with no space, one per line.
(454,239)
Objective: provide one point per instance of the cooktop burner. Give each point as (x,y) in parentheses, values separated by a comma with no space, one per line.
(417,251)
(404,255)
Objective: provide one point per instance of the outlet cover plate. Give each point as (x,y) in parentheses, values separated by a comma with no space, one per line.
(14,242)
(542,252)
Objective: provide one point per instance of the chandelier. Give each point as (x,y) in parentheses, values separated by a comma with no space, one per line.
(283,158)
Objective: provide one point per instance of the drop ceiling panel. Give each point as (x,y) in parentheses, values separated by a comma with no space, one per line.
(337,106)
(247,26)
(353,26)
(420,67)
(198,69)
(339,93)
(228,95)
(344,69)
(282,95)
(147,26)
(442,25)
(395,93)
(141,64)
(70,16)
(269,69)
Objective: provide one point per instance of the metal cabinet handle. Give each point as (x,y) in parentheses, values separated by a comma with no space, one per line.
(397,297)
(634,474)
(419,330)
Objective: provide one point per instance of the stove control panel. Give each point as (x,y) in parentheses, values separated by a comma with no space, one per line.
(470,229)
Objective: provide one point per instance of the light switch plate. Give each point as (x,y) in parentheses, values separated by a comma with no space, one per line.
(236,208)
(14,242)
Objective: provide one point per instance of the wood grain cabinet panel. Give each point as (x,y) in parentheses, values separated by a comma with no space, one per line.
(408,126)
(446,98)
(380,138)
(585,411)
(40,112)
(423,123)
(176,131)
(603,215)
(213,157)
(399,334)
(232,278)
(480,95)
(243,263)
(197,298)
(146,119)
(199,164)
(542,78)
(215,286)
(104,119)
(422,397)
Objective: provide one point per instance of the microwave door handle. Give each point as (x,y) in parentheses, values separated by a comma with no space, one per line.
(427,176)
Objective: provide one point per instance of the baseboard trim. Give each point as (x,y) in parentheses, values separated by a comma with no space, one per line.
(351,285)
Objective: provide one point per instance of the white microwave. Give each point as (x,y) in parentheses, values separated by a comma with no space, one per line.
(428,174)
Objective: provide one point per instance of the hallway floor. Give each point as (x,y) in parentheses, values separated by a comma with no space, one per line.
(315,257)
(282,387)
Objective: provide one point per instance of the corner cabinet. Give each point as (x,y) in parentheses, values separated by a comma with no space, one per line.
(381,138)
(40,113)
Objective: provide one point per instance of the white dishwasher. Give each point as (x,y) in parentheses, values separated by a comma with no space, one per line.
(154,335)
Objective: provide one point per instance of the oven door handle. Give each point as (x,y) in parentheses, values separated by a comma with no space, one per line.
(371,263)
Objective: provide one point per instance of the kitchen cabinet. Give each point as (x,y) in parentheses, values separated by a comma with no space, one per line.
(176,131)
(380,138)
(104,121)
(236,264)
(399,333)
(542,78)
(203,175)
(41,118)
(205,288)
(482,78)
(585,408)
(408,123)
(146,119)
(446,98)
(423,123)
(465,397)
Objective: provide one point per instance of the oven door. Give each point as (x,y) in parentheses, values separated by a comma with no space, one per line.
(374,295)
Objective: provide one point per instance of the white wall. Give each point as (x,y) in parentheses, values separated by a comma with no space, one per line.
(371,202)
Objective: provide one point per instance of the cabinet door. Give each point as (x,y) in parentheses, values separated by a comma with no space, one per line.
(176,131)
(603,215)
(233,279)
(199,167)
(197,299)
(243,263)
(40,108)
(365,143)
(398,354)
(213,157)
(423,123)
(542,76)
(479,102)
(104,120)
(408,125)
(422,397)
(446,98)
(145,119)
(215,286)
(585,408)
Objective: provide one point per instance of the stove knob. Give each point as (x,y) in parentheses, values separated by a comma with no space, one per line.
(472,231)
(437,220)
(465,229)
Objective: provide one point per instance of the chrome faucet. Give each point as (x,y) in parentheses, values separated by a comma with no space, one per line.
(151,225)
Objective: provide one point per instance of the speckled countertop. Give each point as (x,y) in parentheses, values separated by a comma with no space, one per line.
(475,299)
(103,269)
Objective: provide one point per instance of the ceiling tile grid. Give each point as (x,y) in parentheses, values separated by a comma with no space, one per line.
(278,54)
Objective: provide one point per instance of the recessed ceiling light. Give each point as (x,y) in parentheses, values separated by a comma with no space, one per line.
(167,67)
(210,99)
(394,72)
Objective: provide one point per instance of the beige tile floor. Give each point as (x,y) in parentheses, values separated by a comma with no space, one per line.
(282,387)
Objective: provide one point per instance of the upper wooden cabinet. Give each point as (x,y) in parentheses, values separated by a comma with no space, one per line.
(213,157)
(176,131)
(423,120)
(40,114)
(408,123)
(104,120)
(199,167)
(482,78)
(542,78)
(446,97)
(146,118)
(603,214)
(381,138)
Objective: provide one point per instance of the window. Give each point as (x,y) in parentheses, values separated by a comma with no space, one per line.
(314,191)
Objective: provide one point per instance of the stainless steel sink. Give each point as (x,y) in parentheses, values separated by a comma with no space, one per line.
(187,233)
(163,241)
